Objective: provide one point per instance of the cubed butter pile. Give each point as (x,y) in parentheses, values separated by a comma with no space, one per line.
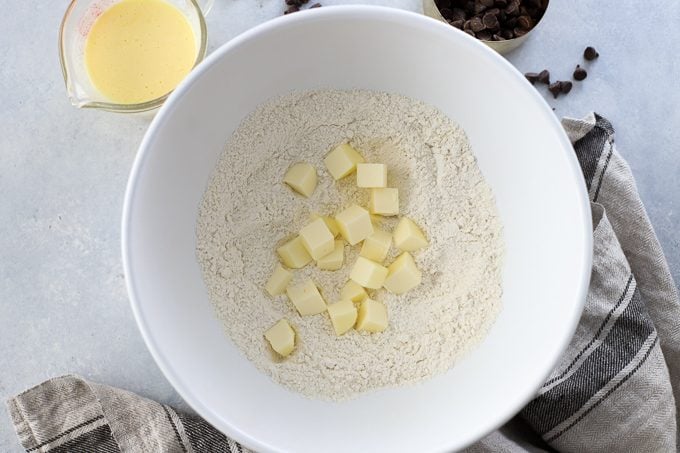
(322,240)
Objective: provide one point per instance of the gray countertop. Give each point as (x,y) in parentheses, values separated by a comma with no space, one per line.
(63,304)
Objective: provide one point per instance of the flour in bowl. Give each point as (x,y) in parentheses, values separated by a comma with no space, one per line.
(247,211)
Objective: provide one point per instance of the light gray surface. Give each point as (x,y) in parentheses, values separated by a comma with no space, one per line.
(63,305)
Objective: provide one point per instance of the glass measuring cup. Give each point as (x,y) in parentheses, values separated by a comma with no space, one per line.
(78,20)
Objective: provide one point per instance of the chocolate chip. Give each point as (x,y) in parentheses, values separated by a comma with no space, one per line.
(498,19)
(525,22)
(458,14)
(580,73)
(302,2)
(490,21)
(315,5)
(293,2)
(458,23)
(292,9)
(512,9)
(476,24)
(532,77)
(544,76)
(555,89)
(590,53)
(565,86)
(484,35)
(446,13)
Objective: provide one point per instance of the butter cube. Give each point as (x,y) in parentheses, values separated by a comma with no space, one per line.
(301,177)
(355,224)
(342,161)
(376,246)
(333,261)
(402,275)
(408,236)
(306,298)
(371,175)
(330,223)
(384,201)
(353,291)
(343,316)
(293,254)
(317,239)
(279,280)
(372,316)
(368,274)
(281,337)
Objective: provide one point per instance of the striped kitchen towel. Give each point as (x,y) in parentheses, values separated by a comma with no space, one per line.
(614,389)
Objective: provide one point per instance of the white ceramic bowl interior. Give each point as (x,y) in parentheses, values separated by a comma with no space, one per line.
(521,149)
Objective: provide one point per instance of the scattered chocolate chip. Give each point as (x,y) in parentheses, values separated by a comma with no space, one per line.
(580,73)
(293,2)
(555,89)
(292,9)
(565,86)
(544,76)
(590,53)
(315,5)
(531,77)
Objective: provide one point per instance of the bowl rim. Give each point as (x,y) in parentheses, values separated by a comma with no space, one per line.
(351,12)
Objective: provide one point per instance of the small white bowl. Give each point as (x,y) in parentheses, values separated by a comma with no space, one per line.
(521,149)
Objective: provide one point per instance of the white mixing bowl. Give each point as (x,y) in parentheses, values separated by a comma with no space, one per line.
(521,149)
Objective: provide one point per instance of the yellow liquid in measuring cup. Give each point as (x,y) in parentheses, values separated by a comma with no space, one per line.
(139,50)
